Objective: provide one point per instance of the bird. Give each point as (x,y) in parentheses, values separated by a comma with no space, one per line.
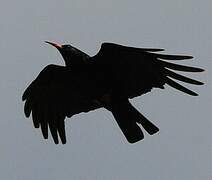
(108,80)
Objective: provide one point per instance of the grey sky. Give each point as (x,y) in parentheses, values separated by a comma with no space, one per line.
(96,148)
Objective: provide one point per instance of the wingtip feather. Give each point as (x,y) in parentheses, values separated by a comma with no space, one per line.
(172,57)
(179,67)
(182,78)
(180,87)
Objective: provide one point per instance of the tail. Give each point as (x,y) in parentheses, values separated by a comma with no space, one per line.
(127,118)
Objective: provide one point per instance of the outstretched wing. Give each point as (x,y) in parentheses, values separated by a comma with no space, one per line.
(55,94)
(138,70)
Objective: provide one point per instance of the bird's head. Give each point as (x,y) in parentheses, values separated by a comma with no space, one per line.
(71,55)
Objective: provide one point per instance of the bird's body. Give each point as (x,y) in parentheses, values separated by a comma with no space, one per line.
(107,80)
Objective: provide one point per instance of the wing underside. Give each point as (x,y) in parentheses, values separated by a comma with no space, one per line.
(148,66)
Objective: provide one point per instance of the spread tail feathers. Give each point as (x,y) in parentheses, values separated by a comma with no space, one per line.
(127,118)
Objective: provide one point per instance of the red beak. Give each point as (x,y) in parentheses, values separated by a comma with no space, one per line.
(58,46)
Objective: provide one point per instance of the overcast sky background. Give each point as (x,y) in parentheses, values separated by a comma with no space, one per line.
(96,148)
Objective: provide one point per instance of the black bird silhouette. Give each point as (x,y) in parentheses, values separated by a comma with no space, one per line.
(108,79)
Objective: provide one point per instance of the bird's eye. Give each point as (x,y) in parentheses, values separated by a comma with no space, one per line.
(67,46)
